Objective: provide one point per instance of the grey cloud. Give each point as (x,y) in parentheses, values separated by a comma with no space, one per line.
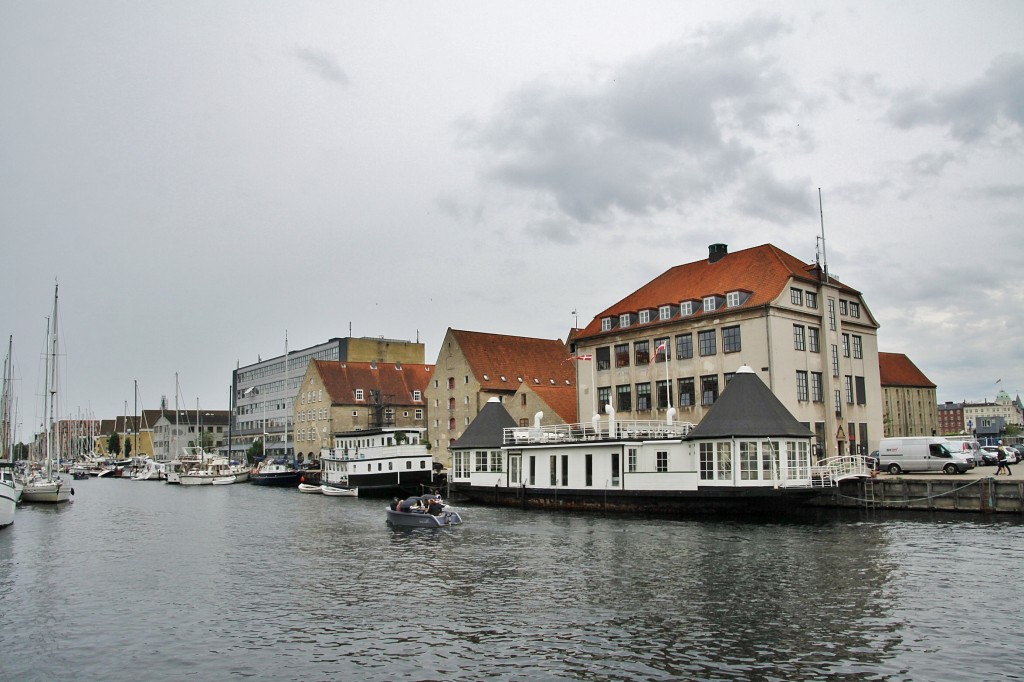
(767,198)
(663,130)
(322,64)
(969,111)
(1011,192)
(931,164)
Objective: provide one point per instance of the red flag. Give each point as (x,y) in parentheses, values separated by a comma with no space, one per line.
(661,347)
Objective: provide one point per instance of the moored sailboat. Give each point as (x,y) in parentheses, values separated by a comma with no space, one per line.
(49,484)
(10,488)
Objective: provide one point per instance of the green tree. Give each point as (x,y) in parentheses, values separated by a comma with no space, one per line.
(206,440)
(255,451)
(114,444)
(127,447)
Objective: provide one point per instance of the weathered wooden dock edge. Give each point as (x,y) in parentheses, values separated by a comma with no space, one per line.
(986,495)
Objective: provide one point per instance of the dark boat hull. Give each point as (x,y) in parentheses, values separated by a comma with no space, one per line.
(390,483)
(279,479)
(710,500)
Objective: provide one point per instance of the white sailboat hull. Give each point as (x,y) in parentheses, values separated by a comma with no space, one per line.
(48,491)
(8,504)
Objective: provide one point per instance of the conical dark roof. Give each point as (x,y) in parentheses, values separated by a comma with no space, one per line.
(748,409)
(488,429)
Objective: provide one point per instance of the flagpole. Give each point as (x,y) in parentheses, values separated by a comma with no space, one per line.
(668,382)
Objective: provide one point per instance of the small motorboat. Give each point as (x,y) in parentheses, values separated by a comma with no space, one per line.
(425,511)
(224,480)
(307,488)
(333,491)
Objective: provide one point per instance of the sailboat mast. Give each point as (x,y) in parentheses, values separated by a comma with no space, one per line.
(286,393)
(51,386)
(5,447)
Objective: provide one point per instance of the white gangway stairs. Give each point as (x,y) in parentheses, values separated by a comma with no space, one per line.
(829,472)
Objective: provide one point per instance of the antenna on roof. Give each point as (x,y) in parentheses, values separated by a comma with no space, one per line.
(824,256)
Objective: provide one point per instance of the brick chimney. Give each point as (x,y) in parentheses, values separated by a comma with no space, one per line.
(717,252)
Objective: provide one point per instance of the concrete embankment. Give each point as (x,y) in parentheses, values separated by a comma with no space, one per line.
(978,490)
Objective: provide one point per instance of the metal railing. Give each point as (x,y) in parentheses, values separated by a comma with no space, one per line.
(573,433)
(828,472)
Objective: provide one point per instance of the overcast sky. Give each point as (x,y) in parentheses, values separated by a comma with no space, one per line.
(201,177)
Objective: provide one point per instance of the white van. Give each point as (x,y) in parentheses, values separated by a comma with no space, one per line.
(969,445)
(923,453)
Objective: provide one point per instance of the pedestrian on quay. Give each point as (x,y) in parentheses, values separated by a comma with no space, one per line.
(1001,459)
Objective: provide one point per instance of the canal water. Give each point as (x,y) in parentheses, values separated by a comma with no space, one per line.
(147,581)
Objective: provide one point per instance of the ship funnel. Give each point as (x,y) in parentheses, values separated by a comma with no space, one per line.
(610,411)
(536,419)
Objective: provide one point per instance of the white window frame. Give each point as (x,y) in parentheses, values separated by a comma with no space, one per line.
(359,394)
(606,324)
(709,303)
(685,308)
(732,299)
(665,312)
(624,320)
(645,316)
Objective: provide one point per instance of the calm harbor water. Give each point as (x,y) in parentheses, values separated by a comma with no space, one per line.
(146,581)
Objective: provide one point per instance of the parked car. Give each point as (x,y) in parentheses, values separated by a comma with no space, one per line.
(871,461)
(990,454)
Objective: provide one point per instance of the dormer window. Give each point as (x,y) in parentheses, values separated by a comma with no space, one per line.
(417,396)
(709,303)
(359,394)
(606,324)
(665,312)
(645,316)
(686,308)
(624,320)
(732,299)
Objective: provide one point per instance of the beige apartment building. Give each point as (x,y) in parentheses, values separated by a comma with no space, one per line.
(473,367)
(1003,407)
(909,396)
(679,339)
(337,396)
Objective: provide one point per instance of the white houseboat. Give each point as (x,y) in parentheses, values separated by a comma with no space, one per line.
(380,462)
(748,453)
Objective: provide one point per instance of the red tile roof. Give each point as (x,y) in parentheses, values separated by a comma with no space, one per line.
(562,400)
(896,369)
(395,381)
(493,356)
(762,271)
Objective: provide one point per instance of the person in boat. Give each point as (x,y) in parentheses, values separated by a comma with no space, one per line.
(434,505)
(394,503)
(408,504)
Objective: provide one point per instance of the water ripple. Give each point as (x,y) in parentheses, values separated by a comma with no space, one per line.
(149,581)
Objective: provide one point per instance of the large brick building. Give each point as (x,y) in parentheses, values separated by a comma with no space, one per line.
(910,407)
